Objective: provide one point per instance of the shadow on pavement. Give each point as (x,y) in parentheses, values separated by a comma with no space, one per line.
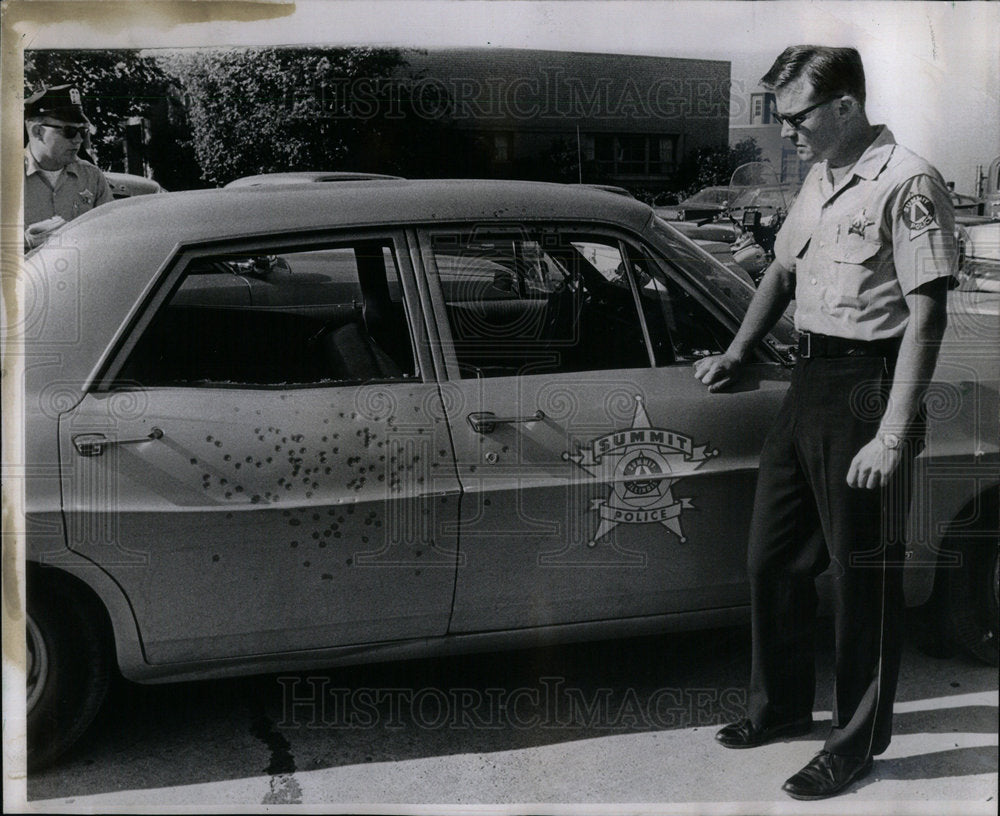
(937,765)
(190,733)
(963,719)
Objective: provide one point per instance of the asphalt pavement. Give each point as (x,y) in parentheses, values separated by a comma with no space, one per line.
(612,727)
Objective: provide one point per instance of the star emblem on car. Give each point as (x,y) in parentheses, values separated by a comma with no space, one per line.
(642,463)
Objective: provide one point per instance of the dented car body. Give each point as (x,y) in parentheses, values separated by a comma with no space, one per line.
(354,422)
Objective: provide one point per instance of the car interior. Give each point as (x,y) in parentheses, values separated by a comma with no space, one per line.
(564,304)
(228,329)
(551,302)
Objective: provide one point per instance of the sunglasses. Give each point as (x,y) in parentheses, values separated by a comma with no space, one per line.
(795,120)
(69,131)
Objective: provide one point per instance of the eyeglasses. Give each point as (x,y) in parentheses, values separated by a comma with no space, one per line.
(795,120)
(69,131)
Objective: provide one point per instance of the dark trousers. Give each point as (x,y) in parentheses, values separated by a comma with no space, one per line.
(807,519)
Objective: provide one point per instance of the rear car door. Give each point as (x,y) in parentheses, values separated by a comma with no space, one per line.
(600,480)
(270,474)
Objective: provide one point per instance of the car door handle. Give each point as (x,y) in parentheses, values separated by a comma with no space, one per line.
(484,422)
(93,444)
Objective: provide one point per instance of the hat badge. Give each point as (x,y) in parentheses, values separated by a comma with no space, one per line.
(74,96)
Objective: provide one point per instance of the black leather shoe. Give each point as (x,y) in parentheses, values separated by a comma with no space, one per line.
(744,734)
(827,775)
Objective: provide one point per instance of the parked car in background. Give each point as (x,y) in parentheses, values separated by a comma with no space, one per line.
(724,231)
(979,242)
(126,185)
(706,203)
(353,422)
(307,177)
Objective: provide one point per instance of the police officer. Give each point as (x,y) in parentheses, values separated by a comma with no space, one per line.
(58,184)
(868,251)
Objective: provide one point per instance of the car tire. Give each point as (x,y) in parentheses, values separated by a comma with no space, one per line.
(68,670)
(972,599)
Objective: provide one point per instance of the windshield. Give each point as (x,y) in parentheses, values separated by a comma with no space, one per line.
(756,184)
(763,198)
(710,195)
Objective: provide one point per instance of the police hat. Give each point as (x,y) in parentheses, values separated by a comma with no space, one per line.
(60,102)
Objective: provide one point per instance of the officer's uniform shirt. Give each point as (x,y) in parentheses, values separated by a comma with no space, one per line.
(80,188)
(858,247)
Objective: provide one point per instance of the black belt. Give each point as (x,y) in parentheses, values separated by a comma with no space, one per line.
(825,345)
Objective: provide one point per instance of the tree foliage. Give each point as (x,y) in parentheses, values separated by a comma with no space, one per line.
(714,166)
(261,110)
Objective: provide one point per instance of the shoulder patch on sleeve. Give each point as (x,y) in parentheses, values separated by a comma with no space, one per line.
(918,213)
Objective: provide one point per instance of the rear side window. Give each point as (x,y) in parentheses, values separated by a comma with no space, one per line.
(330,315)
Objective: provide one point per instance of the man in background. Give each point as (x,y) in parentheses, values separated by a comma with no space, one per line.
(58,184)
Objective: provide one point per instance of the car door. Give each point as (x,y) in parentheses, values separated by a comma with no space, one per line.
(270,480)
(600,480)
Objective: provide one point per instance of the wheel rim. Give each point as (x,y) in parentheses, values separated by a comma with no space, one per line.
(37,660)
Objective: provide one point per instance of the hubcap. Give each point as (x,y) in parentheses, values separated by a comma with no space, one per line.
(37,660)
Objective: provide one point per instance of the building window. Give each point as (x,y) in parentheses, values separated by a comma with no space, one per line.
(758,109)
(634,154)
(501,147)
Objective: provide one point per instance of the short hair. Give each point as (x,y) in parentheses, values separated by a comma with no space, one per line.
(831,71)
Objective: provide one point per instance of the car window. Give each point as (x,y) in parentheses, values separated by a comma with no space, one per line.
(329,315)
(681,328)
(538,301)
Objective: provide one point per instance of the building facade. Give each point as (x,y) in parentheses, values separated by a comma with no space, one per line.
(760,126)
(608,118)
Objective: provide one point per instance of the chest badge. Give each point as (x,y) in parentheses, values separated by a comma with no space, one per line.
(860,223)
(87,196)
(643,463)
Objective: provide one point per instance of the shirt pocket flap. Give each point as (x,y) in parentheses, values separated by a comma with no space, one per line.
(855,250)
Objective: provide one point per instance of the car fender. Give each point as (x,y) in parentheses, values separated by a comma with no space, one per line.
(124,632)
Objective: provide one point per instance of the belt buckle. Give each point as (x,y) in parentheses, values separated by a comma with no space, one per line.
(805,344)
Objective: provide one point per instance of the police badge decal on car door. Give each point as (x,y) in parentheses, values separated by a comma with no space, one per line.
(643,463)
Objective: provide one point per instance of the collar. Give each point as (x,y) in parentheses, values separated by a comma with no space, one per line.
(31,166)
(876,155)
(871,162)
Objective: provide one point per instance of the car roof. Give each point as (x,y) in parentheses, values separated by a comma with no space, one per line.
(305,176)
(200,215)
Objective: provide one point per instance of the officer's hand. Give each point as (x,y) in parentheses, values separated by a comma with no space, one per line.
(873,465)
(716,371)
(35,234)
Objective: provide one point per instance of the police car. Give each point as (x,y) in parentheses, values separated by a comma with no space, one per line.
(355,421)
